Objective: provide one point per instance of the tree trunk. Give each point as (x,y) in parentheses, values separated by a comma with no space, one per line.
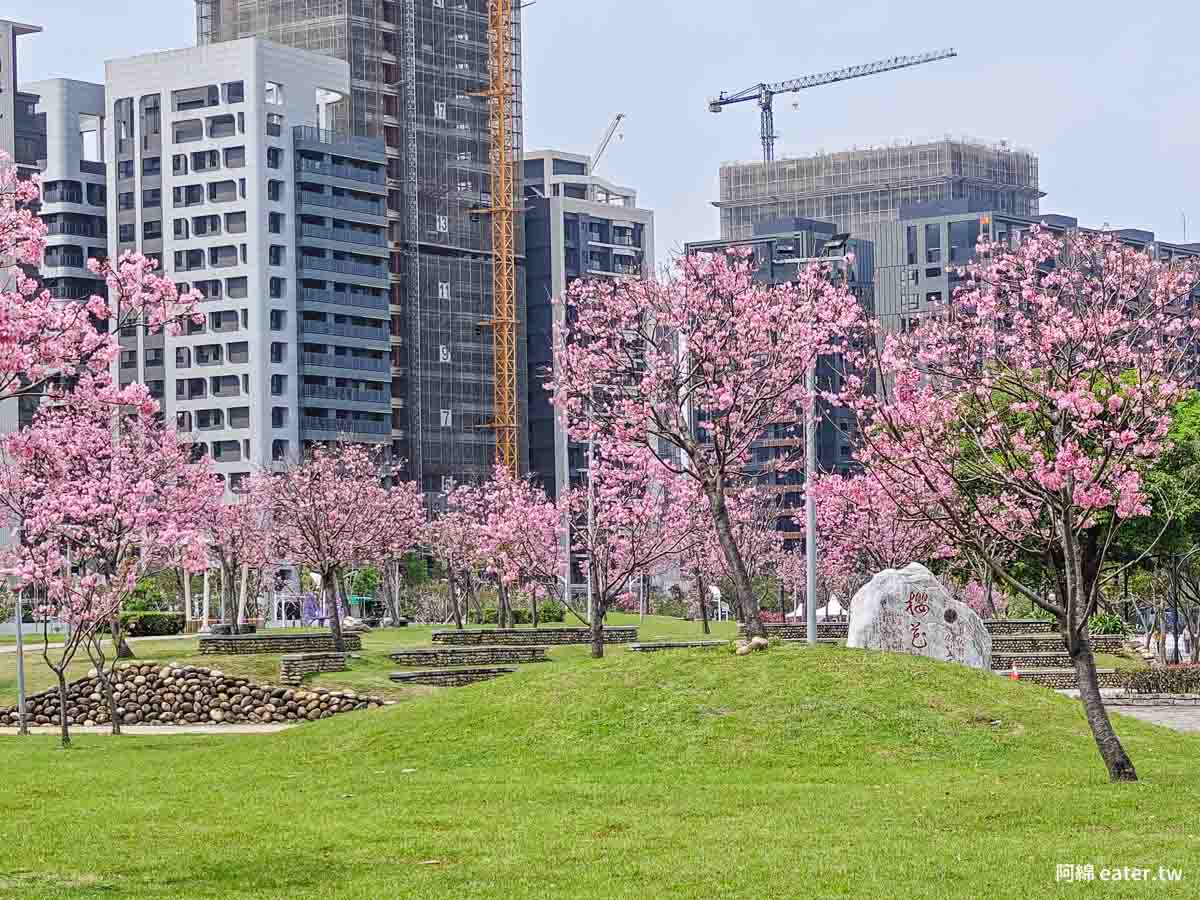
(62,707)
(122,649)
(241,605)
(1120,767)
(110,698)
(502,617)
(598,610)
(452,589)
(703,602)
(533,609)
(329,585)
(747,602)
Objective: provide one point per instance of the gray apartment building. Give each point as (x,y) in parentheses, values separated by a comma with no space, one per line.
(416,70)
(222,165)
(577,225)
(775,246)
(860,187)
(917,256)
(22,137)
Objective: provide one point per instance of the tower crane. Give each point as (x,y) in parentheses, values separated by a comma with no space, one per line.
(608,136)
(765,93)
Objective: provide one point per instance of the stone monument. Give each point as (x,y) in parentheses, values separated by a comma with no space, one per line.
(909,611)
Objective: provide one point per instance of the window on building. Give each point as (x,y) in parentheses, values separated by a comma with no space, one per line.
(277,287)
(151,198)
(963,237)
(152,231)
(278,352)
(933,243)
(278,389)
(276,222)
(237,288)
(181,229)
(125,168)
(274,124)
(151,165)
(221,126)
(188,195)
(125,233)
(274,190)
(210,290)
(222,192)
(278,413)
(278,319)
(234,91)
(235,222)
(910,239)
(235,157)
(274,158)
(279,450)
(179,164)
(188,130)
(125,200)
(276,254)
(183,357)
(187,260)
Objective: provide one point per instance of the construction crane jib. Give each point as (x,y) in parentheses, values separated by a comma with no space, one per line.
(764,93)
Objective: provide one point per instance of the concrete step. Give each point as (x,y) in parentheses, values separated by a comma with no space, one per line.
(451,677)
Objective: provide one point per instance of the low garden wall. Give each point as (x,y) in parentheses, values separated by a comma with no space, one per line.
(1020,626)
(451,677)
(618,634)
(1064,679)
(305,642)
(450,655)
(798,631)
(655,646)
(1052,643)
(294,666)
(155,694)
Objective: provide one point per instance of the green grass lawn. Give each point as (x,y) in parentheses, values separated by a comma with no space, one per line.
(690,774)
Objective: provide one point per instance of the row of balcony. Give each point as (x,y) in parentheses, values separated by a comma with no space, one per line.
(343,298)
(322,392)
(344,266)
(317,167)
(347,235)
(351,331)
(343,426)
(354,204)
(333,360)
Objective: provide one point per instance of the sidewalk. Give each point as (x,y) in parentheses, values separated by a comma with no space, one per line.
(243,728)
(33,645)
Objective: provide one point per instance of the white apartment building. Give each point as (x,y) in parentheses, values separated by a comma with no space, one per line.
(220,166)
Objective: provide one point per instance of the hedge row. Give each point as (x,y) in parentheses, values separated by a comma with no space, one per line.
(548,612)
(150,624)
(1171,680)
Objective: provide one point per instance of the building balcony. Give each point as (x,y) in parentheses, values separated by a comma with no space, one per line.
(334,427)
(343,266)
(349,145)
(353,204)
(350,331)
(342,298)
(346,395)
(346,235)
(334,361)
(333,170)
(74,228)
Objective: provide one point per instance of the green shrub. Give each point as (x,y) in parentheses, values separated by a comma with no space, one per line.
(550,611)
(1107,623)
(150,624)
(1171,680)
(670,606)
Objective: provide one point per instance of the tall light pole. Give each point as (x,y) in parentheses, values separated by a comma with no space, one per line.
(22,723)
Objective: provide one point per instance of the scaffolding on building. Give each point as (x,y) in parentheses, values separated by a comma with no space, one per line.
(418,70)
(864,186)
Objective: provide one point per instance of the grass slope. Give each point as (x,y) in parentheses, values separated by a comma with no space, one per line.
(796,772)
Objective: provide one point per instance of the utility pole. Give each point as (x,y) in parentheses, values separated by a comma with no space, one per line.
(22,722)
(810,506)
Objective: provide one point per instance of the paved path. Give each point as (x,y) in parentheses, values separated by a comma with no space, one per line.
(247,728)
(33,644)
(1181,718)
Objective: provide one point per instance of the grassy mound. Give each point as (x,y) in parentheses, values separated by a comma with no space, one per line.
(790,773)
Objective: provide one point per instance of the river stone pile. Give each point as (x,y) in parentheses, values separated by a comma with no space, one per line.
(173,694)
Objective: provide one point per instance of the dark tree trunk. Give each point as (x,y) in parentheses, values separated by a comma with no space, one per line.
(597,624)
(122,649)
(1120,767)
(453,590)
(703,602)
(329,584)
(743,589)
(104,676)
(533,612)
(503,613)
(62,707)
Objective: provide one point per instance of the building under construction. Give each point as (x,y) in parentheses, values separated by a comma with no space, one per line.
(862,187)
(422,79)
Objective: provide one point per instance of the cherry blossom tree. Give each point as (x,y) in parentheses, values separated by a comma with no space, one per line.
(635,523)
(868,523)
(328,512)
(237,541)
(406,533)
(45,339)
(698,368)
(523,538)
(455,538)
(1030,407)
(102,494)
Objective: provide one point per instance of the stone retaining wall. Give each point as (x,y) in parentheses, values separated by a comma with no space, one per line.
(1021,626)
(156,694)
(1003,662)
(460,655)
(1153,700)
(1045,643)
(294,666)
(451,677)
(304,642)
(799,632)
(1062,679)
(618,634)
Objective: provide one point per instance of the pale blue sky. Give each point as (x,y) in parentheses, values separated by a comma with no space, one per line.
(1105,92)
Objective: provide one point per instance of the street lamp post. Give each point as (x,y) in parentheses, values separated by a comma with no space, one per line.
(22,723)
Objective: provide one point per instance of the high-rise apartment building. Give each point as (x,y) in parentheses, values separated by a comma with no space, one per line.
(222,166)
(22,137)
(417,72)
(856,188)
(577,225)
